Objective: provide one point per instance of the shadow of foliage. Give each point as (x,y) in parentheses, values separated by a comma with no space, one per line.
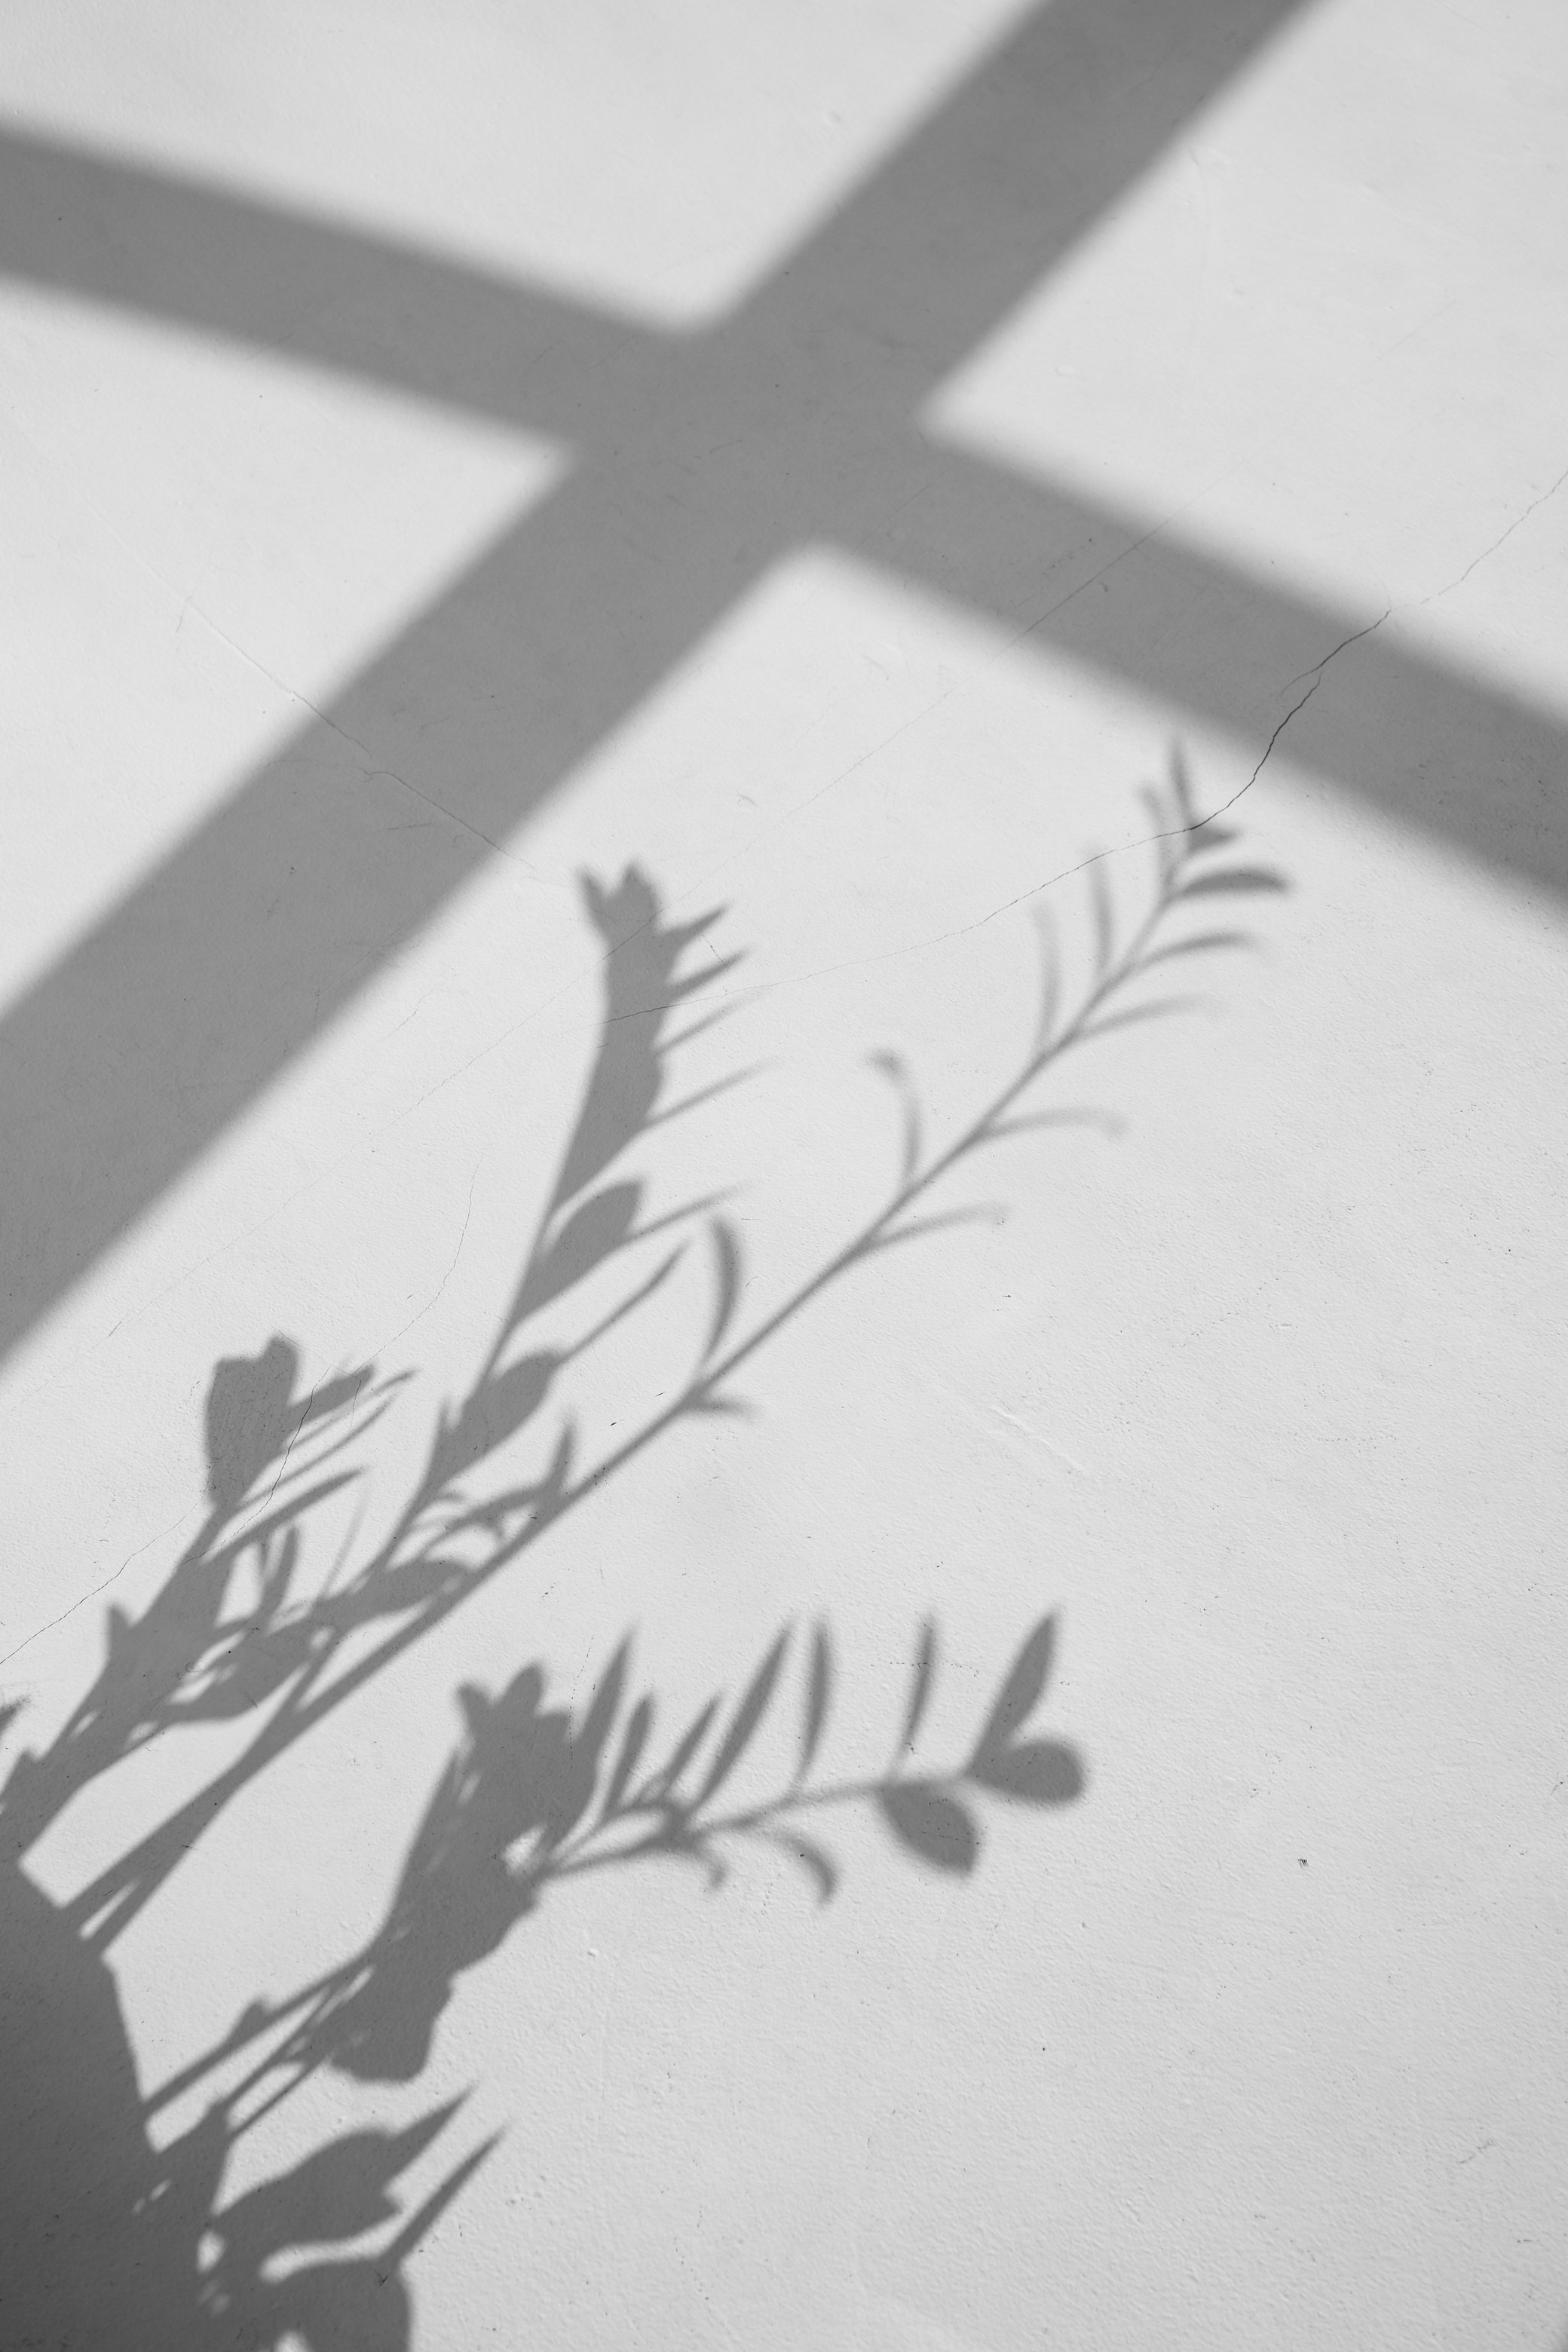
(533,1796)
(115,2238)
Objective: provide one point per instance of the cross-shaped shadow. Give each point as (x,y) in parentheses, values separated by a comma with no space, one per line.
(700,460)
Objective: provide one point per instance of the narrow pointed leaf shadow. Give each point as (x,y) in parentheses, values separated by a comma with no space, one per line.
(920,1684)
(1232,882)
(818,1700)
(634,1741)
(592,1233)
(663,1787)
(748,1716)
(1021,1691)
(817,1864)
(728,1265)
(1200,943)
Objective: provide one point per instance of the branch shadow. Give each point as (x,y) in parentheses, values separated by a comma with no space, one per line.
(116,2235)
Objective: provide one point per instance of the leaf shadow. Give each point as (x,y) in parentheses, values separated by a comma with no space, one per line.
(117,2236)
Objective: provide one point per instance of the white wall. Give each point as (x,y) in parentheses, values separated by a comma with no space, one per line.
(450,451)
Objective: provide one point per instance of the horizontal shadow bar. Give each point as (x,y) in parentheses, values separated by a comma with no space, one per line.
(130,238)
(164,1023)
(1465,762)
(131,1056)
(129,1059)
(1003,177)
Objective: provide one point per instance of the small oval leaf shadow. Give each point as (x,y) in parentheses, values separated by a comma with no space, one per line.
(931,1825)
(1037,1772)
(496,1411)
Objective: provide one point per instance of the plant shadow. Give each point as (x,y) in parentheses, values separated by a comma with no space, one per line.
(119,2231)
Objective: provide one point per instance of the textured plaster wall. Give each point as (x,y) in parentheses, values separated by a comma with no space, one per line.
(825,475)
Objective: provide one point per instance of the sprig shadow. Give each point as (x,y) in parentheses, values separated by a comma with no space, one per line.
(250,1629)
(532,1797)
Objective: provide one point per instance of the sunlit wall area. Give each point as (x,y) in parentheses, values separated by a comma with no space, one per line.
(782,993)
